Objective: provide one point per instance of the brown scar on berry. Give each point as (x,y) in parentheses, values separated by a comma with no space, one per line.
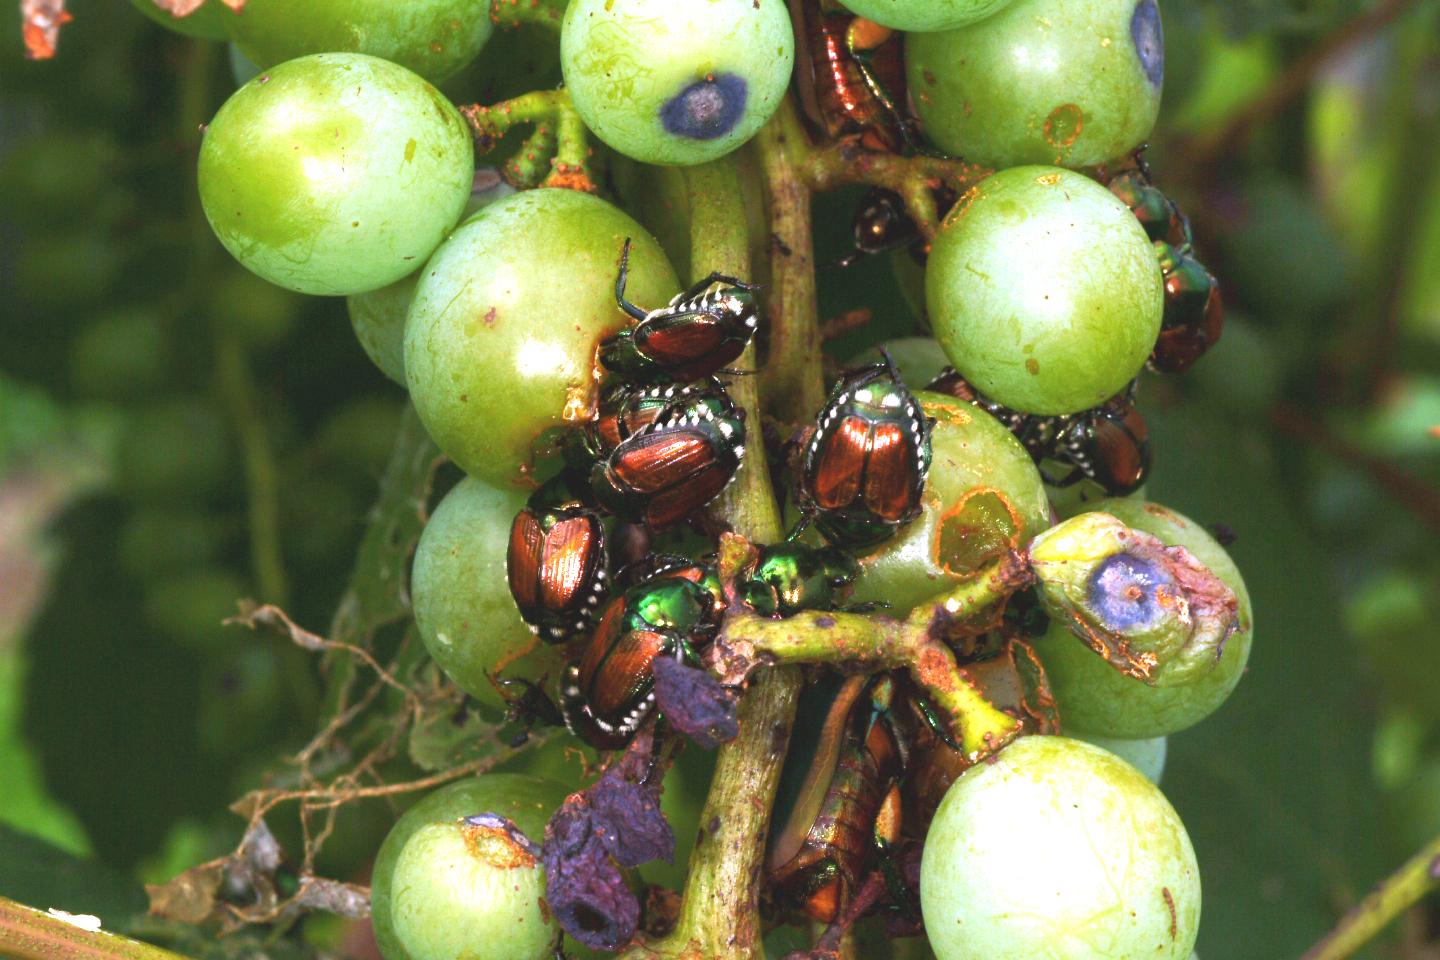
(1170,905)
(497,846)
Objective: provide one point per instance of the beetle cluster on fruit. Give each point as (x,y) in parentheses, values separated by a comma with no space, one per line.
(904,542)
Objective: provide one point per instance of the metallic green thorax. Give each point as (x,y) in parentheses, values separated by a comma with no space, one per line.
(790,577)
(671,605)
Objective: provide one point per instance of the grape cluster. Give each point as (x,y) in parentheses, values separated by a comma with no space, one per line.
(594,411)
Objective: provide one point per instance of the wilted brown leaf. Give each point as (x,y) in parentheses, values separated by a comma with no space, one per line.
(40,22)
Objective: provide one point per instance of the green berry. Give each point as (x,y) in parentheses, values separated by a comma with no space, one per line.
(501,339)
(434,38)
(528,801)
(1147,756)
(676,81)
(462,601)
(918,360)
(1058,849)
(1044,290)
(1068,82)
(336,173)
(1096,699)
(378,317)
(982,497)
(925,15)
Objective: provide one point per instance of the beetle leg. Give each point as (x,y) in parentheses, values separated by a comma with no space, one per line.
(531,706)
(933,721)
(630,309)
(721,278)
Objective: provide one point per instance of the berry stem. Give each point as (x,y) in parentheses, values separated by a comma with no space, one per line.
(1416,877)
(793,379)
(553,116)
(720,912)
(916,643)
(30,934)
(915,178)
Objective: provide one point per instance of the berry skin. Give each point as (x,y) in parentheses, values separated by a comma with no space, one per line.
(462,602)
(336,173)
(435,38)
(925,16)
(982,495)
(1058,849)
(1074,83)
(1044,291)
(676,81)
(528,801)
(1097,700)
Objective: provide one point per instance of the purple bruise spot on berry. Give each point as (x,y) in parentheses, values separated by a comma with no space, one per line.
(1124,593)
(1149,39)
(707,109)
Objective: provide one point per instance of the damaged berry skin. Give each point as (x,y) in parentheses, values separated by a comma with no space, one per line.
(982,496)
(526,801)
(1096,700)
(676,81)
(1058,849)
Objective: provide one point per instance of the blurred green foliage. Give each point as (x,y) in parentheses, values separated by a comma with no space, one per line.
(129,717)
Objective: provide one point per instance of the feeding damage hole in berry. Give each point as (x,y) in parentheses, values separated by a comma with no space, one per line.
(1149,39)
(707,109)
(1125,592)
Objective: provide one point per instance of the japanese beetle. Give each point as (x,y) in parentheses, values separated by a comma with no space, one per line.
(695,335)
(1156,212)
(556,562)
(661,565)
(838,810)
(863,470)
(850,77)
(627,408)
(1194,315)
(609,689)
(673,466)
(1109,444)
(790,577)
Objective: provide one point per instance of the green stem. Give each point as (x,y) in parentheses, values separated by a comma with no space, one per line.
(793,380)
(720,915)
(237,387)
(1416,877)
(915,177)
(30,934)
(553,115)
(917,644)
